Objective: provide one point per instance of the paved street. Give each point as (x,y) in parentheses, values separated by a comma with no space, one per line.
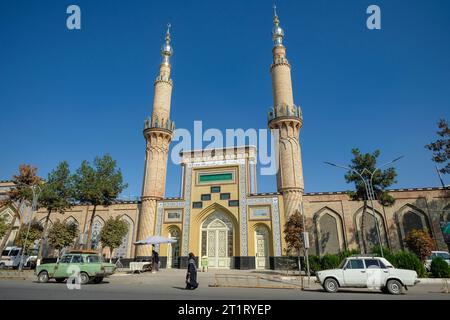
(169,284)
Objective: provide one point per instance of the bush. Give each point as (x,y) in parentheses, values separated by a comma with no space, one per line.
(347,253)
(440,268)
(388,255)
(409,261)
(420,242)
(314,264)
(330,261)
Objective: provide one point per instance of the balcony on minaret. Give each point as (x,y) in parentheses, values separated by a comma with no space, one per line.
(284,111)
(155,123)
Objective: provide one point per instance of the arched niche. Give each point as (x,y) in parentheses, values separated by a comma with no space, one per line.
(328,231)
(366,222)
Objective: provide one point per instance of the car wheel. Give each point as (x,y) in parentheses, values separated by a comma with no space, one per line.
(59,280)
(98,280)
(84,278)
(394,287)
(330,285)
(2,266)
(43,277)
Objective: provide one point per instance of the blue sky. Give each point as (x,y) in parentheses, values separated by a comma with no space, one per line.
(72,95)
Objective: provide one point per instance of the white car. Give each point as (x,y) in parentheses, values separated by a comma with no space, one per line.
(367,272)
(11,257)
(434,254)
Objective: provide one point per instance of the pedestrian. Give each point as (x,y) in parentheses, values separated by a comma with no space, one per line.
(191,276)
(155,261)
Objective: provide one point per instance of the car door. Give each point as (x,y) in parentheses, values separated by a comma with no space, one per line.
(62,266)
(355,273)
(377,273)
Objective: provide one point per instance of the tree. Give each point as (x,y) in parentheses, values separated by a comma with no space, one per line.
(56,195)
(4,226)
(293,229)
(365,164)
(420,242)
(62,235)
(441,147)
(34,234)
(112,234)
(20,194)
(97,186)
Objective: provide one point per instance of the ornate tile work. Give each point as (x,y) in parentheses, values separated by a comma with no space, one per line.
(275,216)
(243,209)
(160,212)
(187,209)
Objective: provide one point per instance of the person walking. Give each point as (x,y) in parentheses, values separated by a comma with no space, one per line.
(191,276)
(155,261)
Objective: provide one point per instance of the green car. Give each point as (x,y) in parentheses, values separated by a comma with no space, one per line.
(89,264)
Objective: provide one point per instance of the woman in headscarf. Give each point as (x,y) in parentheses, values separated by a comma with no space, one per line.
(191,276)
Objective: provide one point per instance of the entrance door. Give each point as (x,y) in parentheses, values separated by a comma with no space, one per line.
(261,250)
(217,236)
(173,250)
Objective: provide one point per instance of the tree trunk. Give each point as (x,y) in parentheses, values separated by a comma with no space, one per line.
(8,233)
(44,233)
(110,255)
(91,221)
(363,230)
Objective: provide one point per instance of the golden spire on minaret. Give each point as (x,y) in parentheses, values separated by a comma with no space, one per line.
(277,31)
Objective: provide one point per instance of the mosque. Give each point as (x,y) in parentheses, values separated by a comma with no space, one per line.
(220,213)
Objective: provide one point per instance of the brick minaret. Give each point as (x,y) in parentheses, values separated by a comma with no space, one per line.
(158,131)
(287,118)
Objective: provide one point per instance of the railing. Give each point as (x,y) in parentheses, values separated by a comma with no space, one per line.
(154,122)
(284,111)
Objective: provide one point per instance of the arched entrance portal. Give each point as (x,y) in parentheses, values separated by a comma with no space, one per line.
(173,249)
(262,247)
(217,240)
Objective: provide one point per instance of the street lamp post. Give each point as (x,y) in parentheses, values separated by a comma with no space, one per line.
(370,194)
(36,190)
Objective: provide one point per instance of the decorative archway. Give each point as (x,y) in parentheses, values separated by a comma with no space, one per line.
(328,231)
(217,239)
(124,250)
(8,214)
(370,233)
(410,218)
(97,226)
(174,249)
(262,245)
(445,225)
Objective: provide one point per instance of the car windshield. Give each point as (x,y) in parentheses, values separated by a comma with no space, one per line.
(14,252)
(342,264)
(93,259)
(444,255)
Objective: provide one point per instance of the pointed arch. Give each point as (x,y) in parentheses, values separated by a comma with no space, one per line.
(97,226)
(328,231)
(445,225)
(71,219)
(124,250)
(173,249)
(409,218)
(370,233)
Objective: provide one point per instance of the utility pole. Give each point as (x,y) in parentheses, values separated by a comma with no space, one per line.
(306,244)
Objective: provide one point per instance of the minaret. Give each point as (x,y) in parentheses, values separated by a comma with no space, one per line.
(287,118)
(158,131)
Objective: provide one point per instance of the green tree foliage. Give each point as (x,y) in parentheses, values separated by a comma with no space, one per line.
(330,261)
(420,242)
(366,164)
(56,196)
(98,185)
(4,226)
(62,235)
(293,229)
(441,147)
(112,233)
(20,194)
(440,268)
(382,179)
(409,261)
(34,233)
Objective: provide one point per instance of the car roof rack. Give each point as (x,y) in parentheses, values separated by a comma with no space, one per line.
(84,251)
(372,255)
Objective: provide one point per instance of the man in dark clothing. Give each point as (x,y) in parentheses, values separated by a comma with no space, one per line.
(191,276)
(155,261)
